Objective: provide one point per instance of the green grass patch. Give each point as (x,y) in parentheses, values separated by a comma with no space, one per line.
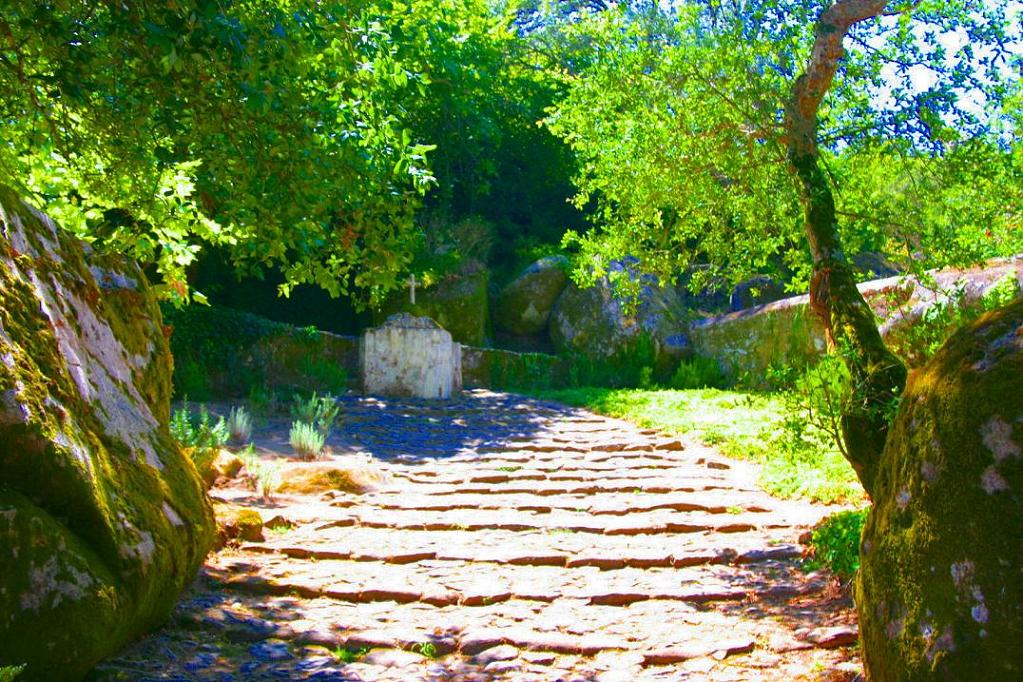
(750,426)
(346,655)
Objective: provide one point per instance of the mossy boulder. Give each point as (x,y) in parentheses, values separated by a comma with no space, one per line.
(941,578)
(238,523)
(312,479)
(103,520)
(596,323)
(524,306)
(458,303)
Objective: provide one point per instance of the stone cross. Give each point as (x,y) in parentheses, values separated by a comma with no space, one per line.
(412,289)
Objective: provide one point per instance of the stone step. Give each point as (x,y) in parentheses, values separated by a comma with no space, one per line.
(494,454)
(587,488)
(459,583)
(673,632)
(721,502)
(493,477)
(532,548)
(659,522)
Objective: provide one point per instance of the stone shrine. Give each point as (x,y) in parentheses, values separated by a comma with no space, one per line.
(410,356)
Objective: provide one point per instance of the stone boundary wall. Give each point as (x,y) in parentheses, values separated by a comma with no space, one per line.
(506,370)
(220,352)
(787,333)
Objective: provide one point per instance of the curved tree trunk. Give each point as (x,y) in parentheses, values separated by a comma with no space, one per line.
(878,375)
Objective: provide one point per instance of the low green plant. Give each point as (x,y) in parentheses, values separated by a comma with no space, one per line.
(698,372)
(427,649)
(835,543)
(815,405)
(316,411)
(9,672)
(630,367)
(265,474)
(262,401)
(346,655)
(197,433)
(306,440)
(239,425)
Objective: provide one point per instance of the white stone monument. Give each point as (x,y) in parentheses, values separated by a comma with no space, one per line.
(410,356)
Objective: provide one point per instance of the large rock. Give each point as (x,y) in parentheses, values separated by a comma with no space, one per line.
(103,520)
(524,306)
(595,322)
(458,303)
(756,291)
(941,579)
(410,357)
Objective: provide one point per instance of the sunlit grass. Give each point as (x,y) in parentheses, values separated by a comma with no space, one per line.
(744,425)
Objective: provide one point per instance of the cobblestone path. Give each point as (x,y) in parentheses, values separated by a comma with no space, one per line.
(512,540)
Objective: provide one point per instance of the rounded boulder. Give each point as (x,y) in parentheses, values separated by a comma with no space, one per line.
(524,306)
(941,578)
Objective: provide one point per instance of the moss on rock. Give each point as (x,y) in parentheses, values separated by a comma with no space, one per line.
(458,304)
(311,479)
(524,306)
(103,520)
(940,588)
(595,323)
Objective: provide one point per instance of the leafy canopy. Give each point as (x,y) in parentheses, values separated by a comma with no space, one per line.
(275,128)
(677,120)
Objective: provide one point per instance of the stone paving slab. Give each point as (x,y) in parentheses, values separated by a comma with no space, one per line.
(516,540)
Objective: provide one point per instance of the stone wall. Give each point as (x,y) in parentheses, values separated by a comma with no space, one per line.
(787,333)
(219,352)
(507,370)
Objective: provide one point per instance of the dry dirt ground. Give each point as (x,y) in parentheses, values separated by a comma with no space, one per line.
(503,538)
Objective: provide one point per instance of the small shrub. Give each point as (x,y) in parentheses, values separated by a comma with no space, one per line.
(426,649)
(698,372)
(318,411)
(920,340)
(199,437)
(816,403)
(836,543)
(10,672)
(262,401)
(239,425)
(646,378)
(306,440)
(266,475)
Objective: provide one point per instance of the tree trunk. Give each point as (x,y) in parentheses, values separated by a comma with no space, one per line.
(878,376)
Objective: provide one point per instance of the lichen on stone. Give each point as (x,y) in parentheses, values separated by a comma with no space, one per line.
(941,534)
(91,558)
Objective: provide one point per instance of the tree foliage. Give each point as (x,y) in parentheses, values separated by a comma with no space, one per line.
(679,126)
(273,127)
